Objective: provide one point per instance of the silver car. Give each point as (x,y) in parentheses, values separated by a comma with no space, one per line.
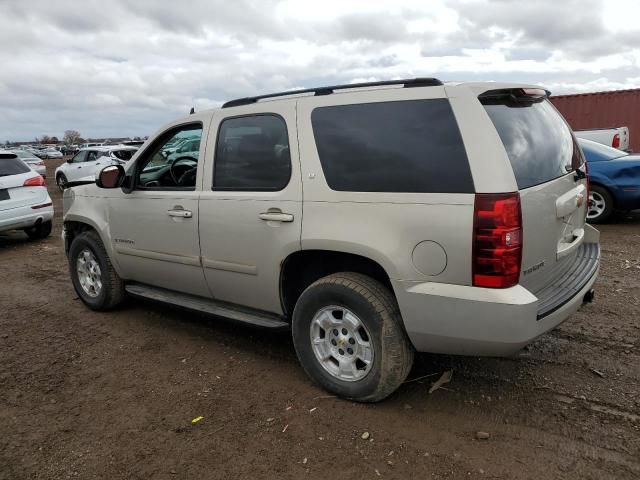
(34,162)
(373,220)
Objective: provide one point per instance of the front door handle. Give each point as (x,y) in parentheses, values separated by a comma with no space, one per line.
(180,213)
(276,217)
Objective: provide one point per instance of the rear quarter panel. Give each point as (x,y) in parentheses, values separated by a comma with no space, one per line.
(385,227)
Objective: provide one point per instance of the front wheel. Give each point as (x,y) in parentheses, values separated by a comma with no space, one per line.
(349,338)
(600,204)
(92,274)
(61,181)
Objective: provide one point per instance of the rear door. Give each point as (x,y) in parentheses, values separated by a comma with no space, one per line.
(251,204)
(548,168)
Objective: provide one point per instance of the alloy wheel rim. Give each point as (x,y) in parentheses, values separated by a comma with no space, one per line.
(89,274)
(341,343)
(597,205)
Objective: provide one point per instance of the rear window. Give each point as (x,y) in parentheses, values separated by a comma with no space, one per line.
(10,165)
(123,154)
(405,146)
(540,145)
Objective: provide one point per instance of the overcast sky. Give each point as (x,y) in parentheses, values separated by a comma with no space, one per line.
(123,68)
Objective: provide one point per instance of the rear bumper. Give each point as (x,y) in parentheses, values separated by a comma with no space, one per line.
(24,217)
(464,320)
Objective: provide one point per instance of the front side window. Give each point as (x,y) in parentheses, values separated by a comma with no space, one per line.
(402,146)
(163,167)
(252,154)
(80,157)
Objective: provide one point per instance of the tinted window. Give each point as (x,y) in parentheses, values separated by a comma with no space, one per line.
(252,154)
(408,146)
(537,139)
(9,165)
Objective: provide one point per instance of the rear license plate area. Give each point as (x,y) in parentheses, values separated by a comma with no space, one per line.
(4,194)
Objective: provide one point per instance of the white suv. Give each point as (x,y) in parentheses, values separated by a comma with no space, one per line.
(88,161)
(373,220)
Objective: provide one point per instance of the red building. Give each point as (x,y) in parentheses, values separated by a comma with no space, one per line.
(618,108)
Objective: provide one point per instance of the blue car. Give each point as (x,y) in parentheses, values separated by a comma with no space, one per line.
(614,178)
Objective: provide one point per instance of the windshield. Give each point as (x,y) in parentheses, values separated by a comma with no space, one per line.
(539,143)
(597,152)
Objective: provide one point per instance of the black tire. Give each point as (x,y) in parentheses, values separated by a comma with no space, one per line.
(378,310)
(38,232)
(112,292)
(602,195)
(61,181)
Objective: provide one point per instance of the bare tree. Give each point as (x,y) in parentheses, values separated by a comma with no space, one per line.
(45,139)
(71,137)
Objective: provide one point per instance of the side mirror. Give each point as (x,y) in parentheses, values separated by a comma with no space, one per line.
(110,177)
(70,160)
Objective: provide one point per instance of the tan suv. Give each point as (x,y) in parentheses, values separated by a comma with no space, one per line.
(372,219)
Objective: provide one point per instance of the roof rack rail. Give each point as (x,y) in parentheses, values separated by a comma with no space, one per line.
(407,83)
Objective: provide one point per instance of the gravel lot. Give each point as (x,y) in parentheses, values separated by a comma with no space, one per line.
(93,395)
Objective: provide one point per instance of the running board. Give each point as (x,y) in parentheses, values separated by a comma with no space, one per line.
(193,302)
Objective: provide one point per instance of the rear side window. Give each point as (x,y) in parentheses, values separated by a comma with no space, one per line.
(10,165)
(540,145)
(123,154)
(405,146)
(252,154)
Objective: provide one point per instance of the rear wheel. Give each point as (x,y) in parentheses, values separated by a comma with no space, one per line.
(37,232)
(92,274)
(349,337)
(61,180)
(600,204)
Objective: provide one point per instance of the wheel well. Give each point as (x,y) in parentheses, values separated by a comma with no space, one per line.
(72,230)
(301,269)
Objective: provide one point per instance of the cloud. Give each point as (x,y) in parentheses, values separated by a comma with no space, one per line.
(116,67)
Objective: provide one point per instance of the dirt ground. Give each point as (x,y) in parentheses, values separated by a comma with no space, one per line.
(112,395)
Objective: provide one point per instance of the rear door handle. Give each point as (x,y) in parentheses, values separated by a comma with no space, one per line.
(276,217)
(180,213)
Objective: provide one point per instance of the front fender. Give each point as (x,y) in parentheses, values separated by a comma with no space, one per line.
(91,211)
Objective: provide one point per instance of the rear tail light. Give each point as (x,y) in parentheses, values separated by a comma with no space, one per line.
(616,141)
(34,182)
(497,240)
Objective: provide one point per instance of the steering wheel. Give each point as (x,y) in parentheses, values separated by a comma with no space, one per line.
(177,178)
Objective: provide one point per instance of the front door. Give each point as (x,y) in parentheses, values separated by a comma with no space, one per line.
(154,229)
(251,205)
